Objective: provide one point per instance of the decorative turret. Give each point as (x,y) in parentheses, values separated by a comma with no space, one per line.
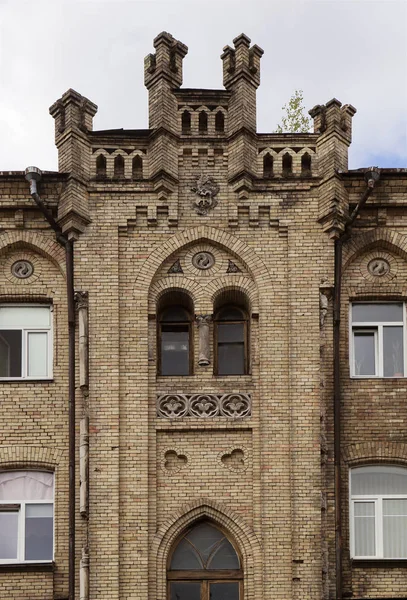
(334,124)
(241,76)
(73,116)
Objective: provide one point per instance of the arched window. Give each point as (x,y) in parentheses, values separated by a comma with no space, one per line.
(306,164)
(101,166)
(287,164)
(26,516)
(203,122)
(137,167)
(186,122)
(378,520)
(231,353)
(175,335)
(119,166)
(268,166)
(204,566)
(219,122)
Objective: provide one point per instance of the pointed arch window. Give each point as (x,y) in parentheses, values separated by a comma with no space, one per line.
(101,166)
(306,164)
(203,122)
(204,565)
(287,164)
(186,122)
(219,122)
(119,166)
(268,170)
(137,167)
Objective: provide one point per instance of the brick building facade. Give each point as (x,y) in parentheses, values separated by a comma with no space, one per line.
(240,355)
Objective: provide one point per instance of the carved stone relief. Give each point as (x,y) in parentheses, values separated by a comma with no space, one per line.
(22,269)
(176,267)
(378,267)
(176,406)
(233,268)
(206,190)
(203,260)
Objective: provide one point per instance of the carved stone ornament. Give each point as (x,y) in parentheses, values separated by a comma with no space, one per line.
(233,268)
(206,190)
(22,269)
(81,299)
(175,268)
(378,267)
(176,406)
(203,260)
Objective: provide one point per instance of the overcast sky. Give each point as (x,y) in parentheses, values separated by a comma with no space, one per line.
(354,50)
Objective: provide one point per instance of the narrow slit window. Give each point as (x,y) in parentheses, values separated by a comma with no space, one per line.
(287,164)
(268,171)
(119,166)
(101,166)
(186,122)
(137,167)
(219,122)
(306,164)
(203,122)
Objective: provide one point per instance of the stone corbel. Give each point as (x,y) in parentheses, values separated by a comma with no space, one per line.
(203,322)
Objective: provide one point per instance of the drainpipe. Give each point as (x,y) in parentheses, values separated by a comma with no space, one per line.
(372,175)
(32,174)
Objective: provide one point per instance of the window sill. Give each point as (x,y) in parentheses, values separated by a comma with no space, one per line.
(27,380)
(376,377)
(27,566)
(379,562)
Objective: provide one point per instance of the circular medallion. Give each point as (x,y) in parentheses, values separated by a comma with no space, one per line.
(22,269)
(203,260)
(378,267)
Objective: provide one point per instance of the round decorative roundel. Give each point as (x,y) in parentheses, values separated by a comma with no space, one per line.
(22,269)
(378,267)
(203,260)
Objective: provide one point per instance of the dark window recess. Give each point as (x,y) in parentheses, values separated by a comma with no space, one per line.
(231,334)
(268,166)
(101,166)
(203,122)
(287,164)
(137,167)
(186,122)
(219,122)
(175,333)
(306,164)
(119,166)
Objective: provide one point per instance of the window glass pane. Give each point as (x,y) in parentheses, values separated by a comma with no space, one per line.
(182,590)
(17,486)
(224,557)
(393,351)
(175,313)
(205,538)
(32,317)
(231,359)
(230,313)
(37,361)
(8,534)
(364,352)
(395,528)
(224,591)
(383,480)
(175,351)
(364,529)
(10,353)
(230,332)
(38,532)
(377,312)
(185,557)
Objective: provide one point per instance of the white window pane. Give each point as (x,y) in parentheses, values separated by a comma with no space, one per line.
(364,509)
(18,486)
(8,535)
(364,352)
(393,351)
(364,530)
(39,532)
(374,313)
(31,317)
(383,480)
(37,354)
(395,528)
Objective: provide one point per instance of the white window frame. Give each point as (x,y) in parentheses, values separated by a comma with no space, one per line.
(21,528)
(375,327)
(377,500)
(24,348)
